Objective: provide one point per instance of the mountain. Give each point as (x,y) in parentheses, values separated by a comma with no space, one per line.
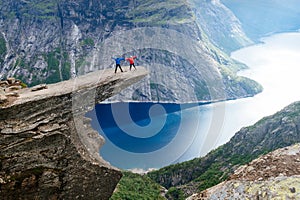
(220,25)
(260,18)
(178,41)
(271,176)
(270,133)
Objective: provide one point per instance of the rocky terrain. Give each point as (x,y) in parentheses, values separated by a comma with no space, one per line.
(275,175)
(9,89)
(50,41)
(221,26)
(48,149)
(270,133)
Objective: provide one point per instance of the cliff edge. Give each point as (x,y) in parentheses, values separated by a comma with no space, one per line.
(48,148)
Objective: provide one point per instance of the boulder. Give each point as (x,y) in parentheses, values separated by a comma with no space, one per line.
(39,87)
(14,87)
(11,80)
(3,83)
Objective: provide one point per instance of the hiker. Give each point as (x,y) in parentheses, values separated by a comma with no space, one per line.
(118,63)
(131,61)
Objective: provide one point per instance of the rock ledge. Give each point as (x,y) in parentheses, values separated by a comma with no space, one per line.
(48,149)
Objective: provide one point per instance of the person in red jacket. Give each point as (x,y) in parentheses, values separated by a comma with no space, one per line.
(131,61)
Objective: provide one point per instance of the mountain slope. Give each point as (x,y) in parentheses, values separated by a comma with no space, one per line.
(46,41)
(136,186)
(272,176)
(221,25)
(268,134)
(260,18)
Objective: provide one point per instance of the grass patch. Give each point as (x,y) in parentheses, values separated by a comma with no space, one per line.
(137,187)
(162,12)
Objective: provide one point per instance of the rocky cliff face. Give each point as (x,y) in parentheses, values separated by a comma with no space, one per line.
(48,148)
(220,25)
(53,41)
(272,176)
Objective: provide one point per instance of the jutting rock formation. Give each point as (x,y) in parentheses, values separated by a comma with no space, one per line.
(48,149)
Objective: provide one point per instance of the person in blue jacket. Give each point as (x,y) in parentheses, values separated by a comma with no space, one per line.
(118,63)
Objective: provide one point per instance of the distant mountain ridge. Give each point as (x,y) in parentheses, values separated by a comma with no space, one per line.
(261,18)
(52,41)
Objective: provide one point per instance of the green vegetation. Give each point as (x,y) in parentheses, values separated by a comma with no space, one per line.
(201,90)
(212,176)
(3,49)
(2,46)
(153,85)
(45,6)
(66,67)
(246,145)
(23,85)
(51,74)
(250,86)
(54,59)
(203,172)
(20,62)
(80,64)
(137,187)
(239,83)
(162,12)
(45,10)
(42,9)
(174,193)
(88,42)
(53,66)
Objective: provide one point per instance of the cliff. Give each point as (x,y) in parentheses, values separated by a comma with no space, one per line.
(221,26)
(271,176)
(268,134)
(50,41)
(48,148)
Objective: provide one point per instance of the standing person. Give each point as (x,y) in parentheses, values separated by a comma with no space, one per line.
(131,61)
(118,63)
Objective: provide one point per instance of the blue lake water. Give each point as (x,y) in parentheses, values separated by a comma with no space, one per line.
(153,135)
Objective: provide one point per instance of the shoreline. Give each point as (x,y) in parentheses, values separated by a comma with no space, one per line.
(199,103)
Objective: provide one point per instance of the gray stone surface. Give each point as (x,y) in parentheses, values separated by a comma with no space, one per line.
(48,149)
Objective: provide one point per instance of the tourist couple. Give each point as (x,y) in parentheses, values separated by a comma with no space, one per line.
(130,60)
